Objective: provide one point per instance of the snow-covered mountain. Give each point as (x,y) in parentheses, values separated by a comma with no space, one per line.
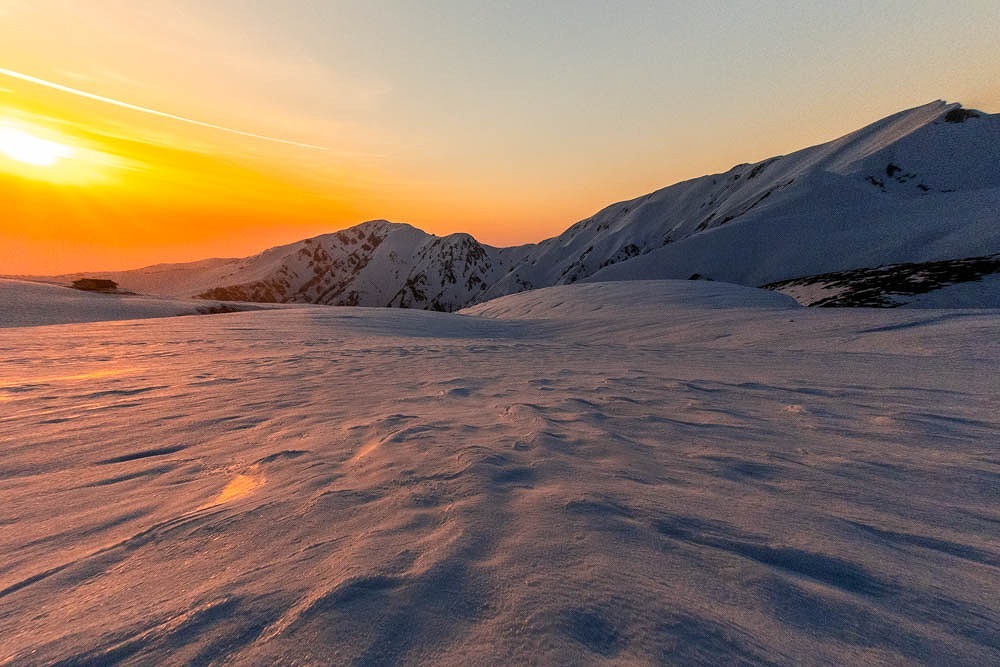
(922,185)
(376,263)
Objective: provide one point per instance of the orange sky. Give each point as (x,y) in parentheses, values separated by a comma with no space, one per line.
(137,190)
(509,123)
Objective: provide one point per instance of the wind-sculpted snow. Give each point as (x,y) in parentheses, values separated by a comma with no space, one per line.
(682,481)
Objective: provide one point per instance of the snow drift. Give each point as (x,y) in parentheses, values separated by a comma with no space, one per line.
(646,473)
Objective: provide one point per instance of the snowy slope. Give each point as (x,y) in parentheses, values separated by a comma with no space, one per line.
(911,187)
(180,280)
(642,473)
(970,283)
(27,304)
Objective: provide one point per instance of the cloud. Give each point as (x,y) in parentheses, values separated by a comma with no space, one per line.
(141,109)
(218,64)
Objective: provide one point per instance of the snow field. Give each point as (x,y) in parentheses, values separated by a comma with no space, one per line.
(647,472)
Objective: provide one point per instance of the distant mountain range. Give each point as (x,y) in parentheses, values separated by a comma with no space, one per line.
(920,186)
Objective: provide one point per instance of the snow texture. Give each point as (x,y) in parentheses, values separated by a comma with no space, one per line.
(650,472)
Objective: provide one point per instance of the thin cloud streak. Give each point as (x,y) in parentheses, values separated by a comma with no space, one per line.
(162,114)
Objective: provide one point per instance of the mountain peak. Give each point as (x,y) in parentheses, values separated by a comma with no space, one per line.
(960,115)
(378,225)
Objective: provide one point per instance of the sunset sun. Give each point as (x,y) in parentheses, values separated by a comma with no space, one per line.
(27,148)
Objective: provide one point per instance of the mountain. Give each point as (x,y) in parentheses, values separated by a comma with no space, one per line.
(918,186)
(922,185)
(376,263)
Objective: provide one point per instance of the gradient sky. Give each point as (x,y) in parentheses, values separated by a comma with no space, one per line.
(508,120)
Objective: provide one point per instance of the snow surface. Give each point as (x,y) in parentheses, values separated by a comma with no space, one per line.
(29,304)
(983,293)
(648,472)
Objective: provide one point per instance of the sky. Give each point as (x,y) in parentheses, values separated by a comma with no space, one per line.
(177,130)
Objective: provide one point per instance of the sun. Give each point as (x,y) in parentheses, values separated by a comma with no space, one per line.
(37,152)
(27,148)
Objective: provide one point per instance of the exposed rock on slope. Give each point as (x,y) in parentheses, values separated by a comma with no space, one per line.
(897,284)
(376,263)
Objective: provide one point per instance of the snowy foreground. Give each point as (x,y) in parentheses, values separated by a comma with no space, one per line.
(646,472)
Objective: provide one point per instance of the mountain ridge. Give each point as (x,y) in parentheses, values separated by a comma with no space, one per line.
(920,185)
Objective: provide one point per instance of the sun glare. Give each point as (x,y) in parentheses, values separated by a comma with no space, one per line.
(27,148)
(36,152)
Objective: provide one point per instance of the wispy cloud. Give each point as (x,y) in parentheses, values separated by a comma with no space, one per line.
(141,109)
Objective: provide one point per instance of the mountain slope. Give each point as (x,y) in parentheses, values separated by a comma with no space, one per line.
(915,186)
(970,282)
(376,263)
(28,304)
(922,185)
